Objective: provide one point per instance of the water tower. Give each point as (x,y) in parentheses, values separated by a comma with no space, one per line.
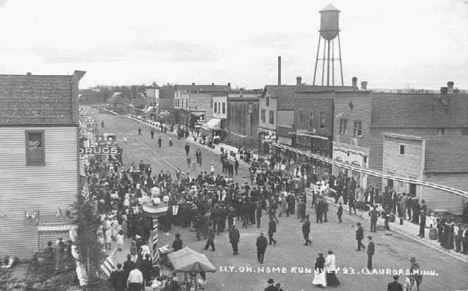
(329,30)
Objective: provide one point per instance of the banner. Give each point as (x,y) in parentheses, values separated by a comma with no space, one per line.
(112,150)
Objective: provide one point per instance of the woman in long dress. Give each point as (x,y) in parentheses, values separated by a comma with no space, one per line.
(330,268)
(319,271)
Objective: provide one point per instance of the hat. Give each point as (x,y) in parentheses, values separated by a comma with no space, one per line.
(413,259)
(270,281)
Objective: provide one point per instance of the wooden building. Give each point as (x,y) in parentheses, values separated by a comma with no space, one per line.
(39,157)
(242,119)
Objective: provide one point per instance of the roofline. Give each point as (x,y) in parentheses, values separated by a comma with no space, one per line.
(403,136)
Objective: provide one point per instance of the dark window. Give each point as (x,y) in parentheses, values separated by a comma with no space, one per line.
(267,101)
(402,149)
(216,108)
(343,126)
(224,107)
(211,103)
(357,128)
(464,131)
(263,115)
(35,151)
(311,119)
(440,131)
(301,118)
(322,119)
(250,108)
(272,117)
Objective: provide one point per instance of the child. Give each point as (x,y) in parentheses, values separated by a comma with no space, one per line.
(189,161)
(108,235)
(120,240)
(340,212)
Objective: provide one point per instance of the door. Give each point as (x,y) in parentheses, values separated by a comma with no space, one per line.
(390,183)
(412,189)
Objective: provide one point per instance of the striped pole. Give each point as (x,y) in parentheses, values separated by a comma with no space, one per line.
(155,242)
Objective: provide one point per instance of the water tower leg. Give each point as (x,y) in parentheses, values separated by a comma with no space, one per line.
(341,64)
(328,64)
(155,241)
(323,61)
(316,60)
(333,63)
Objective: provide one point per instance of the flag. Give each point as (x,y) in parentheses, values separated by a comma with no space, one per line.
(85,190)
(109,264)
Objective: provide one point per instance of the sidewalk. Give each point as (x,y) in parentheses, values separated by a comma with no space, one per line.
(408,230)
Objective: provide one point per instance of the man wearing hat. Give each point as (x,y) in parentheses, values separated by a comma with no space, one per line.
(271,286)
(422,224)
(370,252)
(395,286)
(306,230)
(415,272)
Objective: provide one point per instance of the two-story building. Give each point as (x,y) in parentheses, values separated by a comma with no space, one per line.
(39,157)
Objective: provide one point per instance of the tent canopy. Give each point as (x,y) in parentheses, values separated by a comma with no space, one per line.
(188,260)
(213,123)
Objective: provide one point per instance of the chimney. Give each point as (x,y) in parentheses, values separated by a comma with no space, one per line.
(354,82)
(193,84)
(363,85)
(450,87)
(212,84)
(298,81)
(443,90)
(28,74)
(279,70)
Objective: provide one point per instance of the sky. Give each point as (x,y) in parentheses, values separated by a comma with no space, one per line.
(390,44)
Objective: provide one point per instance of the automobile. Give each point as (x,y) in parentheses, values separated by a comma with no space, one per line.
(108,136)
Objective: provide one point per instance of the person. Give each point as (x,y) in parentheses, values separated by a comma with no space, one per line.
(102,124)
(306,230)
(178,172)
(212,169)
(211,237)
(49,252)
(271,230)
(340,212)
(139,130)
(370,252)
(189,162)
(278,286)
(319,271)
(410,284)
(258,214)
(330,268)
(234,237)
(59,253)
(415,272)
(187,149)
(236,165)
(464,237)
(271,286)
(135,280)
(360,237)
(118,279)
(178,243)
(395,286)
(128,265)
(146,266)
(152,133)
(120,240)
(422,224)
(159,141)
(170,141)
(374,214)
(262,244)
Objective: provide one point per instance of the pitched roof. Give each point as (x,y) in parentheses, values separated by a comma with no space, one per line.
(202,88)
(39,99)
(419,110)
(446,155)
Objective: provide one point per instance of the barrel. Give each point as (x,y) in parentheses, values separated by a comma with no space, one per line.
(433,234)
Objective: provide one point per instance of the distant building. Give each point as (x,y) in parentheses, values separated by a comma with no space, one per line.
(117,102)
(39,158)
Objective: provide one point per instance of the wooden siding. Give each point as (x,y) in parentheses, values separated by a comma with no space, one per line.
(28,188)
(436,199)
(242,127)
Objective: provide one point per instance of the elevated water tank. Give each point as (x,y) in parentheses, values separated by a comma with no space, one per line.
(329,22)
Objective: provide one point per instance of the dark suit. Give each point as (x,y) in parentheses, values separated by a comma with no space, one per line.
(127,267)
(234,236)
(262,244)
(360,237)
(306,231)
(271,288)
(118,279)
(271,231)
(370,253)
(394,286)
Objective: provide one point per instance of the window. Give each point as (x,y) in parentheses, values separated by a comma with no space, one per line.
(35,153)
(301,118)
(267,101)
(440,131)
(322,119)
(216,108)
(311,119)
(343,126)
(263,115)
(402,149)
(357,128)
(250,108)
(464,131)
(211,104)
(272,117)
(224,107)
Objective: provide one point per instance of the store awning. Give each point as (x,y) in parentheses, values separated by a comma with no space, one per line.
(213,123)
(197,113)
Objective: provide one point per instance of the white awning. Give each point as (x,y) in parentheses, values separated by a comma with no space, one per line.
(213,123)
